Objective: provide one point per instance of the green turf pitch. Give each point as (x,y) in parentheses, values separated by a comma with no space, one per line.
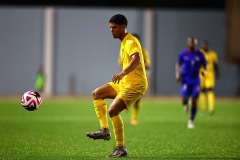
(57,131)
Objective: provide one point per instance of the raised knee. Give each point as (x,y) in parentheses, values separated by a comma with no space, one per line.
(95,94)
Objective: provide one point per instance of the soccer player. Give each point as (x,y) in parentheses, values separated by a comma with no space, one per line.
(207,96)
(137,105)
(188,67)
(40,80)
(125,88)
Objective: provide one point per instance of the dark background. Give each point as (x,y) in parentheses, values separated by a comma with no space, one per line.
(180,4)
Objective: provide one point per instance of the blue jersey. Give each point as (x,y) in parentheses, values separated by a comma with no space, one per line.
(191,62)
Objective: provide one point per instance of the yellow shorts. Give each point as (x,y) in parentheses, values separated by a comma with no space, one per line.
(207,83)
(128,95)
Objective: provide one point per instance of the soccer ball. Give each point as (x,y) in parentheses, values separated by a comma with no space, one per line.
(31,100)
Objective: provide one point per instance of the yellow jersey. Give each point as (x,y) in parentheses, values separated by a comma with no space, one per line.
(147,60)
(137,79)
(208,80)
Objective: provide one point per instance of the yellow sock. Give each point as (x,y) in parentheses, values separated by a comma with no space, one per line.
(211,100)
(135,110)
(202,99)
(100,106)
(118,128)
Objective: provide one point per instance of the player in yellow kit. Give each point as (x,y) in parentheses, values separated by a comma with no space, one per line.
(125,88)
(207,96)
(137,105)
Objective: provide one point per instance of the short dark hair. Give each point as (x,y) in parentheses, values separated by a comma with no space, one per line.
(119,19)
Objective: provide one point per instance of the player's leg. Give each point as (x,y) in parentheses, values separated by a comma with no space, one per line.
(203,95)
(100,105)
(202,99)
(121,102)
(210,82)
(211,100)
(135,112)
(185,102)
(193,112)
(195,95)
(115,108)
(185,97)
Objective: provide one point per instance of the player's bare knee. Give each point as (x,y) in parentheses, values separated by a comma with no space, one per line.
(96,94)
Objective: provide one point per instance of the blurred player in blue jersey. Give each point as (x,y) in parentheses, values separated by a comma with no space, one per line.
(188,67)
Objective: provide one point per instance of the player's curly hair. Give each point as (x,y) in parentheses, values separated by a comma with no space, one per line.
(119,19)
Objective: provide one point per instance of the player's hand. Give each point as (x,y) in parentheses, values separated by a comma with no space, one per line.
(178,78)
(117,77)
(203,72)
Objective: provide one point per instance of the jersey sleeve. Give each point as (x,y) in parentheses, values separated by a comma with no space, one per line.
(180,59)
(132,47)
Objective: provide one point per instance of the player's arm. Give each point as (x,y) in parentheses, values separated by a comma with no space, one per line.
(204,64)
(177,72)
(204,71)
(178,68)
(135,61)
(215,65)
(216,69)
(147,66)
